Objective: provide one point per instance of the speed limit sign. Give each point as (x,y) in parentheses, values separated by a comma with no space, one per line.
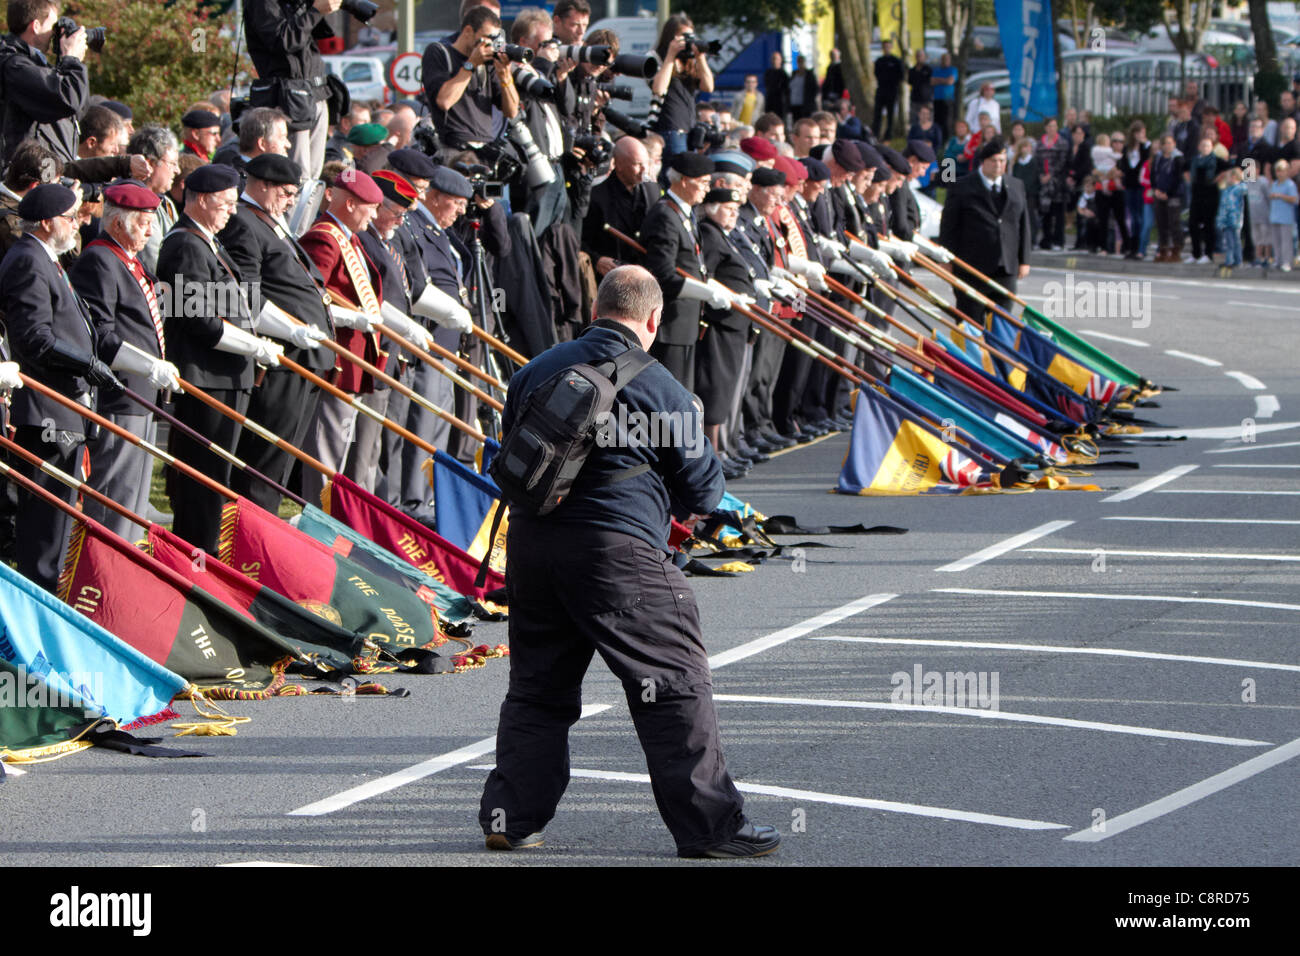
(405,73)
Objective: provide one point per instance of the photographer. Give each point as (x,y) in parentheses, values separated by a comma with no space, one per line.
(40,100)
(684,73)
(463,79)
(282,37)
(547,202)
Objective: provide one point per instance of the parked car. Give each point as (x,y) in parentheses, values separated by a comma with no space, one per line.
(366,77)
(1143,84)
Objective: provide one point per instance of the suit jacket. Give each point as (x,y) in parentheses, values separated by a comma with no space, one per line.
(321,246)
(447,264)
(41,308)
(738,103)
(672,241)
(730,268)
(996,243)
(393,279)
(624,209)
(120,313)
(271,266)
(199,288)
(904,213)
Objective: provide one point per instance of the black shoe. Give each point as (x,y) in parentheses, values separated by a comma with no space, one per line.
(844,424)
(749,841)
(734,472)
(499,841)
(745,450)
(779,440)
(761,444)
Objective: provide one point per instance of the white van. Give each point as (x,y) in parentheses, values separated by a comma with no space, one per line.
(365,77)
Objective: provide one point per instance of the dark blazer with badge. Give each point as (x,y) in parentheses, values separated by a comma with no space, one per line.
(394,280)
(728,266)
(622,208)
(844,211)
(120,313)
(995,241)
(447,264)
(40,308)
(670,243)
(270,262)
(194,314)
(904,213)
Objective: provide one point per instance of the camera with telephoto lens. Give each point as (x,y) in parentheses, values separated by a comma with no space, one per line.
(66,26)
(534,85)
(537,168)
(595,149)
(625,123)
(702,134)
(694,47)
(516,53)
(362,10)
(482,182)
(630,64)
(596,55)
(616,92)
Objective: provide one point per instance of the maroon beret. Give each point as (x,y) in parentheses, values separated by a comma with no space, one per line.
(759,147)
(360,185)
(131,196)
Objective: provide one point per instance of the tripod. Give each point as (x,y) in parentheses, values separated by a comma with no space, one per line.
(488,317)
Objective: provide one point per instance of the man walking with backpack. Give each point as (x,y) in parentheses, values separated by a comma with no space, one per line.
(593,575)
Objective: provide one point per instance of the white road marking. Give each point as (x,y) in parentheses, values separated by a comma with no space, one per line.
(1253,288)
(1059,649)
(1255,466)
(1188,795)
(1205,520)
(1002,547)
(1219,555)
(815,796)
(1221,491)
(1249,381)
(1225,431)
(1260,305)
(1014,716)
(1142,487)
(373,788)
(1266,405)
(12,771)
(1086,595)
(1250,446)
(246,863)
(1201,359)
(1116,338)
(834,616)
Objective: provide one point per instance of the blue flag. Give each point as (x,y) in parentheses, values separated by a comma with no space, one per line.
(943,407)
(1025,28)
(464,505)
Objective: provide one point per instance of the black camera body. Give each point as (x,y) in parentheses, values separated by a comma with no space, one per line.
(516,53)
(596,150)
(694,47)
(702,134)
(66,26)
(616,92)
(484,185)
(362,10)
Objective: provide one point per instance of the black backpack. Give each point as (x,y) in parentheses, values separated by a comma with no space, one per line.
(543,453)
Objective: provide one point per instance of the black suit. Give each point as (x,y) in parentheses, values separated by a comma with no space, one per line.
(272,261)
(203,280)
(40,309)
(672,240)
(623,209)
(990,232)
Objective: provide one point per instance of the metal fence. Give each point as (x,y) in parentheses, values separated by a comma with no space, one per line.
(1144,86)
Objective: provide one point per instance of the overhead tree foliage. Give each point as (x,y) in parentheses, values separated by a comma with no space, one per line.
(1269,80)
(756,15)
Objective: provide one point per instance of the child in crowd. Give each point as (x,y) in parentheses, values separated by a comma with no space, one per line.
(1281,213)
(1227,221)
(1260,230)
(1090,237)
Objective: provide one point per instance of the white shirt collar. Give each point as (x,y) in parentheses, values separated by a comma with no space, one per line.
(681,203)
(989,184)
(48,251)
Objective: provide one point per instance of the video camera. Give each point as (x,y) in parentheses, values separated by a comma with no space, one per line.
(616,92)
(489,179)
(694,47)
(66,26)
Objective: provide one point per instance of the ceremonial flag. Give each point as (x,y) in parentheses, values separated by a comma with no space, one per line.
(405,537)
(951,365)
(315,636)
(452,607)
(969,343)
(38,722)
(910,386)
(1043,352)
(465,504)
(165,617)
(1025,28)
(890,454)
(1083,351)
(80,665)
(311,574)
(1036,435)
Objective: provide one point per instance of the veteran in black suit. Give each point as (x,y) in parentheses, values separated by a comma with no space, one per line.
(986,223)
(54,341)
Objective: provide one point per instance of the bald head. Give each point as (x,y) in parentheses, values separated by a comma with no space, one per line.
(401,124)
(631,296)
(630,161)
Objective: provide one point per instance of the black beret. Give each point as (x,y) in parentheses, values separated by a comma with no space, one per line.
(721,194)
(883,172)
(818,172)
(764,176)
(691,165)
(894,159)
(991,148)
(46,201)
(213,178)
(274,168)
(921,149)
(121,109)
(412,162)
(820,151)
(200,119)
(846,155)
(448,181)
(870,155)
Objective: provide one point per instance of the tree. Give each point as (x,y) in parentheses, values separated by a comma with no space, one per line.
(1193,18)
(1269,81)
(853,23)
(957,19)
(758,16)
(158,59)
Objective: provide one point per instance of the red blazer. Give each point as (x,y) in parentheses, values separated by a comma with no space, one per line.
(321,246)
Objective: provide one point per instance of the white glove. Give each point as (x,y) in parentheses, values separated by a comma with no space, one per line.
(346,318)
(405,326)
(9,375)
(901,250)
(764,286)
(814,272)
(162,375)
(704,292)
(844,268)
(784,289)
(435,304)
(877,261)
(238,342)
(276,322)
(832,246)
(782,275)
(933,249)
(739,298)
(732,298)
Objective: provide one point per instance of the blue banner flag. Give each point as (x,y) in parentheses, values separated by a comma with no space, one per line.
(1025,28)
(464,504)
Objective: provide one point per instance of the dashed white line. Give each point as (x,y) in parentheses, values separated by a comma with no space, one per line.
(1060,649)
(1260,305)
(1266,405)
(1092,596)
(1002,547)
(1201,359)
(1188,795)
(1251,446)
(1225,431)
(1249,381)
(1221,491)
(1013,716)
(815,796)
(1202,520)
(834,616)
(1137,343)
(1142,487)
(1122,553)
(1235,465)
